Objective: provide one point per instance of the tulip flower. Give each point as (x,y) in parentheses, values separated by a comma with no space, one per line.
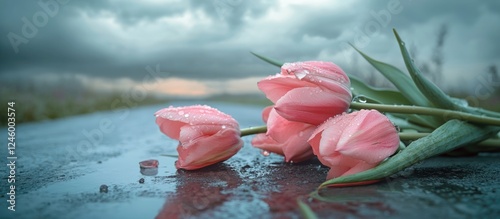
(285,137)
(308,92)
(351,143)
(206,135)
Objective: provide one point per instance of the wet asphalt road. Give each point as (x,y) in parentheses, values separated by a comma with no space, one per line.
(63,163)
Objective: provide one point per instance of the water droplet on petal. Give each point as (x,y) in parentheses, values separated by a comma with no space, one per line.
(181,113)
(265,153)
(301,74)
(186,115)
(223,127)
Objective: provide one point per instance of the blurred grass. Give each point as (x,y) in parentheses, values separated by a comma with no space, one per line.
(52,103)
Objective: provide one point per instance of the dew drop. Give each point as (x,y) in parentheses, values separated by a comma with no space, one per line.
(265,153)
(223,127)
(359,99)
(301,74)
(398,129)
(181,113)
(186,115)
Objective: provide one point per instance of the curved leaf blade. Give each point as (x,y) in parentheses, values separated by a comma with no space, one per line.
(402,82)
(268,60)
(376,94)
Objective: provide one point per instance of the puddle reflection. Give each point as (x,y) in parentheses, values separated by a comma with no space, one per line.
(199,191)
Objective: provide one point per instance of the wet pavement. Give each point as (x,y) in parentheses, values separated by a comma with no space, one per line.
(88,167)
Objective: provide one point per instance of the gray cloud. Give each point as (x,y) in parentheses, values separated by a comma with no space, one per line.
(212,39)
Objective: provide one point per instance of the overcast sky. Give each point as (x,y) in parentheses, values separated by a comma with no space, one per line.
(206,43)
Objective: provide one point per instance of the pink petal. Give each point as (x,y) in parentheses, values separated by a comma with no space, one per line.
(267,143)
(325,74)
(171,120)
(297,148)
(277,86)
(209,150)
(360,167)
(281,129)
(266,112)
(373,134)
(311,105)
(169,127)
(198,114)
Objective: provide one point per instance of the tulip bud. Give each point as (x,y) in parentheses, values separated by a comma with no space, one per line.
(206,135)
(308,92)
(351,143)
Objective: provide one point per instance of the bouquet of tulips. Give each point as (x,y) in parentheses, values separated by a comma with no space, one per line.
(358,131)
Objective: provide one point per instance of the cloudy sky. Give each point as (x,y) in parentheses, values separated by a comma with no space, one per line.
(201,47)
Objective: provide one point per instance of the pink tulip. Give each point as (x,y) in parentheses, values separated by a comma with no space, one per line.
(308,92)
(285,137)
(206,135)
(351,143)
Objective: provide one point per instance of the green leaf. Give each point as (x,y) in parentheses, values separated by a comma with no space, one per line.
(305,210)
(376,94)
(431,91)
(404,123)
(268,60)
(451,135)
(428,89)
(385,96)
(402,82)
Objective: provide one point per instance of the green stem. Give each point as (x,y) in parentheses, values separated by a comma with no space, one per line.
(402,136)
(253,130)
(446,114)
(417,135)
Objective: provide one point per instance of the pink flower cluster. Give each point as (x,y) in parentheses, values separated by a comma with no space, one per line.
(309,117)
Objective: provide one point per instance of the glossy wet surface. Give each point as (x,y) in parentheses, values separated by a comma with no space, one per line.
(88,167)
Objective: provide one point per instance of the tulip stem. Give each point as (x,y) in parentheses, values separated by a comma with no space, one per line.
(253,130)
(446,114)
(417,135)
